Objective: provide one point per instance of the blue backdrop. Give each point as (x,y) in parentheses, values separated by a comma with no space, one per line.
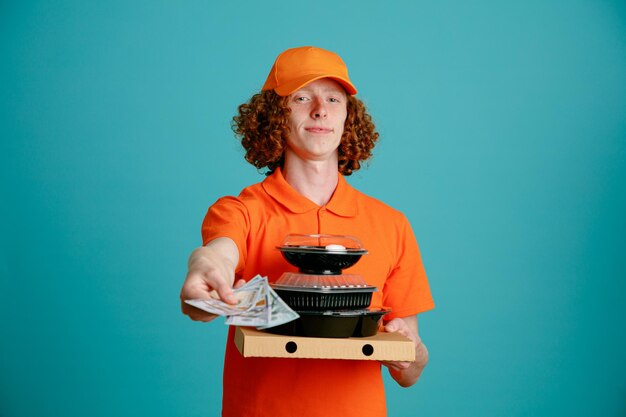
(503,139)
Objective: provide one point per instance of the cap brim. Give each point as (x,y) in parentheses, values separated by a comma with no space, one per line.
(294,85)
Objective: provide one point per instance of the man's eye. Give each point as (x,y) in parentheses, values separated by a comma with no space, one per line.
(301,98)
(333,100)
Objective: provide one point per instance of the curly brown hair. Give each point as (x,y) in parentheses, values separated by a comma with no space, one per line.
(262,125)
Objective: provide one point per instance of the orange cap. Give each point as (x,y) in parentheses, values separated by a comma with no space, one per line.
(296,67)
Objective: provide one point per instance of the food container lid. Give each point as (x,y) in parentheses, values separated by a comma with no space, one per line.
(293,281)
(348,313)
(324,243)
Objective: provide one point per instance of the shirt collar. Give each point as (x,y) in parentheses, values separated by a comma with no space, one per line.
(341,203)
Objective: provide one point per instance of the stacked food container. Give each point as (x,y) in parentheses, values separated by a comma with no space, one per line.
(330,303)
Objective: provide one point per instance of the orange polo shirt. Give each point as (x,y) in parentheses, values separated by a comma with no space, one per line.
(258,221)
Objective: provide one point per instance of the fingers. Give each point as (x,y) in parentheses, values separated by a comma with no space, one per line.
(195,313)
(400,326)
(392,326)
(397,325)
(398,366)
(240,283)
(226,293)
(202,285)
(195,287)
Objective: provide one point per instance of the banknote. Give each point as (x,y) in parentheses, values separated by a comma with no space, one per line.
(245,300)
(257,305)
(279,311)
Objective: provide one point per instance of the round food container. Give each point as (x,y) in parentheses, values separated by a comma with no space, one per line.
(321,254)
(323,292)
(334,324)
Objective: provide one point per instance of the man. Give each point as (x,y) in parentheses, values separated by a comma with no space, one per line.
(309,130)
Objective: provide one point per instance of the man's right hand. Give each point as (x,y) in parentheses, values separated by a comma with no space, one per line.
(211,273)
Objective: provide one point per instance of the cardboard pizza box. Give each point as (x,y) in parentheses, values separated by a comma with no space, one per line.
(382,346)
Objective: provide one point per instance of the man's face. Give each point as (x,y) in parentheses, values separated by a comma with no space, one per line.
(318,114)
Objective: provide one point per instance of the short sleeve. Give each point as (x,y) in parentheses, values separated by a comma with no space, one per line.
(228,217)
(406,290)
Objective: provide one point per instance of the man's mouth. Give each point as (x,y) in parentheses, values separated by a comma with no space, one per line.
(318,129)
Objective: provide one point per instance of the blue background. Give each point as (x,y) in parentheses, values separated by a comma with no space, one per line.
(503,139)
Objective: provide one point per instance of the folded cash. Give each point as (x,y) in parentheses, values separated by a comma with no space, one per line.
(257,305)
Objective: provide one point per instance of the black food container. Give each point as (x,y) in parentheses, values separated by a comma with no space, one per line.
(321,254)
(308,299)
(333,324)
(323,292)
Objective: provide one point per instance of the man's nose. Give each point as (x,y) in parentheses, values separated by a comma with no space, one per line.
(319,109)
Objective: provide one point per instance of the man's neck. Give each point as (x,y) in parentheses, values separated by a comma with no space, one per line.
(315,180)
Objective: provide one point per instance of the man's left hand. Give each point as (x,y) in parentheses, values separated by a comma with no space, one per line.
(407,373)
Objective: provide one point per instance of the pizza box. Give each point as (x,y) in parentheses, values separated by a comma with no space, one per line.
(381,347)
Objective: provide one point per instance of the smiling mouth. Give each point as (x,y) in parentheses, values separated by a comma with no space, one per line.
(318,130)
